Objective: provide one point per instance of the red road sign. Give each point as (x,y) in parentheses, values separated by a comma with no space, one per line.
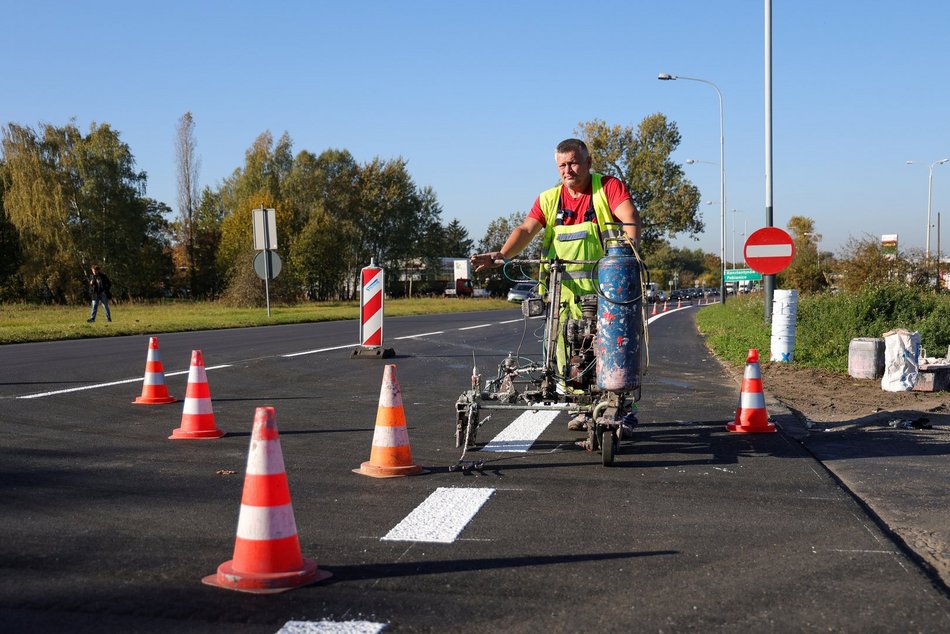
(769,250)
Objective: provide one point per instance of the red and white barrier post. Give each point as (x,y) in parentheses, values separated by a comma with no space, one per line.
(372,286)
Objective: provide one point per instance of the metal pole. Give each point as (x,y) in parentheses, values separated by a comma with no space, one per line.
(769,279)
(722,183)
(266,260)
(930,187)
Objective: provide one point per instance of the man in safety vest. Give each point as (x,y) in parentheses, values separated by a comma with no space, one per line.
(575,216)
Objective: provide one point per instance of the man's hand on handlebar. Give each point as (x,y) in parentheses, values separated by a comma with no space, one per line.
(487,260)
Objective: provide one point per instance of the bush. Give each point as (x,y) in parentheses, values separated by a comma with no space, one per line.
(828,322)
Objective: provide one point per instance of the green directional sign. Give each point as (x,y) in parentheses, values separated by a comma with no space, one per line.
(742,275)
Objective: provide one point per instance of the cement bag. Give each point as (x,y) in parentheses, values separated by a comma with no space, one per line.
(901,349)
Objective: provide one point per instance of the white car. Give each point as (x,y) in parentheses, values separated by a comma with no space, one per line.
(522,291)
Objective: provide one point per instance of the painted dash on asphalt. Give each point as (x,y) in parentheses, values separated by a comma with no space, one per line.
(441,517)
(297,354)
(474,327)
(109,384)
(331,627)
(422,334)
(522,432)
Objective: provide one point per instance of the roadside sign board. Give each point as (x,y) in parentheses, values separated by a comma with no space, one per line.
(261,265)
(265,229)
(742,275)
(769,250)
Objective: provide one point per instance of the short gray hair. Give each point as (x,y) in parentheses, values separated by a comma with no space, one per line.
(573,145)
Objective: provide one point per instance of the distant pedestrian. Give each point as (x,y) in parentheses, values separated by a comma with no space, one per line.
(100,287)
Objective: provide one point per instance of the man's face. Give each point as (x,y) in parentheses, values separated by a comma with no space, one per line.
(574,169)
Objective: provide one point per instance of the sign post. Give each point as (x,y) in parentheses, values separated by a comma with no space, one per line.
(265,240)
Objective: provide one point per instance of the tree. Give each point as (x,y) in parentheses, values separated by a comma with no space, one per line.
(864,263)
(188,165)
(11,286)
(667,201)
(457,242)
(804,272)
(267,166)
(77,200)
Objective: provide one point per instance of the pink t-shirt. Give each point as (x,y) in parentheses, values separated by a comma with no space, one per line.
(614,189)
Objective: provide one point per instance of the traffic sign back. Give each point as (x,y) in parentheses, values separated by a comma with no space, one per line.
(769,250)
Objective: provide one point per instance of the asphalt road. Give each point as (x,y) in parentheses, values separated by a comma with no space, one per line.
(109,526)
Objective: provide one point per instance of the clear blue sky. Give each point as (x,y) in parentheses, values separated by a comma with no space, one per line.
(475,95)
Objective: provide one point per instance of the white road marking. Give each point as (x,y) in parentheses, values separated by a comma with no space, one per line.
(423,334)
(297,354)
(510,321)
(331,627)
(111,383)
(441,517)
(522,432)
(474,327)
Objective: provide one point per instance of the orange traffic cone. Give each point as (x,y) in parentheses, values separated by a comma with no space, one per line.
(751,415)
(679,303)
(154,390)
(197,418)
(391,456)
(654,309)
(665,303)
(267,557)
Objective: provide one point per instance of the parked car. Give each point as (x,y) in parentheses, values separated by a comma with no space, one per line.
(522,291)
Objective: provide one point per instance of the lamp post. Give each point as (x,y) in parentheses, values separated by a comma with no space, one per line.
(930,183)
(734,212)
(722,183)
(817,237)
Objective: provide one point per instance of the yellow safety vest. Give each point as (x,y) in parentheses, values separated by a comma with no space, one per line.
(583,241)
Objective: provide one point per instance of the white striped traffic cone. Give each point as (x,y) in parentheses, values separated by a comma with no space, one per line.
(154,390)
(391,455)
(267,557)
(751,415)
(197,418)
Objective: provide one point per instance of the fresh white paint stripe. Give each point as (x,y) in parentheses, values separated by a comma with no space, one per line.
(424,334)
(266,522)
(474,327)
(510,321)
(768,251)
(111,383)
(441,517)
(265,458)
(331,627)
(298,354)
(522,432)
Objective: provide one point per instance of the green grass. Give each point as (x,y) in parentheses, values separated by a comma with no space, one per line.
(827,323)
(21,323)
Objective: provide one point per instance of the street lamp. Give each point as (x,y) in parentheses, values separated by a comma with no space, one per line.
(722,183)
(734,212)
(930,182)
(817,237)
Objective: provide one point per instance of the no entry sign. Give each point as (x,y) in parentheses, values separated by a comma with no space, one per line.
(769,250)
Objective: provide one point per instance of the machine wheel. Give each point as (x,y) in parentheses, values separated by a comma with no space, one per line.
(608,442)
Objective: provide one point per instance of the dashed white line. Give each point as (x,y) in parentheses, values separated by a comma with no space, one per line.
(298,354)
(423,334)
(331,627)
(441,517)
(111,383)
(474,327)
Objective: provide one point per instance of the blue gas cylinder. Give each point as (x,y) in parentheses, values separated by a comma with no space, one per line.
(619,320)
